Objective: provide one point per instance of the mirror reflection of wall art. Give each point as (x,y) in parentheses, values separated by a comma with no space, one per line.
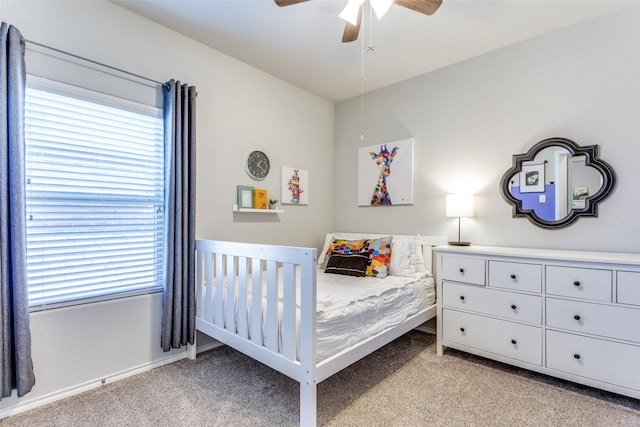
(295,186)
(580,195)
(385,174)
(532,178)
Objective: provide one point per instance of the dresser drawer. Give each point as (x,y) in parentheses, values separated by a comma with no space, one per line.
(463,269)
(576,282)
(628,288)
(515,275)
(504,338)
(601,360)
(588,318)
(510,305)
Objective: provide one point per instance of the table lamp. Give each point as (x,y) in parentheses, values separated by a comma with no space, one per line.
(459,205)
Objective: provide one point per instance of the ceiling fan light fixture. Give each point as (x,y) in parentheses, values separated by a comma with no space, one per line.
(380,7)
(350,11)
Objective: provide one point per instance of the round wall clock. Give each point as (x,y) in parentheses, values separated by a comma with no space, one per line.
(257,164)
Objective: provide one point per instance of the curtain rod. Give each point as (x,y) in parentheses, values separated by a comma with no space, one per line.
(94,62)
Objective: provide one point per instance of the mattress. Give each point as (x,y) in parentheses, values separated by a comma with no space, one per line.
(352,309)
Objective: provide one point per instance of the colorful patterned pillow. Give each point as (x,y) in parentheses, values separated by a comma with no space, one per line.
(354,264)
(343,246)
(379,256)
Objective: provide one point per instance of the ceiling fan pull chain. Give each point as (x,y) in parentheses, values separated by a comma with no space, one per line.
(371,47)
(362,88)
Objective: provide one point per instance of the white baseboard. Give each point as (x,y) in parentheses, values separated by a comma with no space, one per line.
(210,346)
(428,327)
(426,330)
(26,404)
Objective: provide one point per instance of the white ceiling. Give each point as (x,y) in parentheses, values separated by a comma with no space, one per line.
(301,44)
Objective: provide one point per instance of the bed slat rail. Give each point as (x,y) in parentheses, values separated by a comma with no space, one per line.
(272,307)
(256,298)
(289,313)
(258,318)
(243,292)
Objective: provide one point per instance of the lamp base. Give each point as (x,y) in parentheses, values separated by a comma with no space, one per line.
(459,243)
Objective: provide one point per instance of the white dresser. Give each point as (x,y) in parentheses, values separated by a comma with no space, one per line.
(571,314)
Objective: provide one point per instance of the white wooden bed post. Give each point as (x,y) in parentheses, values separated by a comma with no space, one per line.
(308,385)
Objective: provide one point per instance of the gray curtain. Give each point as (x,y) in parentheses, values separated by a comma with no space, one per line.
(16,365)
(178,314)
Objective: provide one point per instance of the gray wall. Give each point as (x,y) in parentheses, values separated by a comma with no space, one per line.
(239,108)
(582,83)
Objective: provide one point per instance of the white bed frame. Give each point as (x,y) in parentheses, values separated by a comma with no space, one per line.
(297,362)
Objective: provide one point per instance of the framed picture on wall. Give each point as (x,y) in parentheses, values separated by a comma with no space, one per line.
(385,174)
(532,178)
(294,187)
(245,197)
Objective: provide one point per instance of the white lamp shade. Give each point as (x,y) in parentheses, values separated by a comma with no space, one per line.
(459,205)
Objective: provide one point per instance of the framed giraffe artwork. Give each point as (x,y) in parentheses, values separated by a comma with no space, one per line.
(294,189)
(385,174)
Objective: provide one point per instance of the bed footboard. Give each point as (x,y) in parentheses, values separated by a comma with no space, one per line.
(260,300)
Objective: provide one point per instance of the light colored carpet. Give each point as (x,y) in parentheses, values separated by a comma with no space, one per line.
(402,384)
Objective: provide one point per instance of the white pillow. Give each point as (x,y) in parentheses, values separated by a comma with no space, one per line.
(328,239)
(403,256)
(420,266)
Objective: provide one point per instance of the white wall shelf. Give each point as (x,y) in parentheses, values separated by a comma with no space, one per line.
(262,211)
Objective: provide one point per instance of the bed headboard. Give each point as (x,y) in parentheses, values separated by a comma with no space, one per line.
(426,242)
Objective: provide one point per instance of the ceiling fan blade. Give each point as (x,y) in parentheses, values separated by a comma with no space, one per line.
(283,3)
(351,31)
(428,7)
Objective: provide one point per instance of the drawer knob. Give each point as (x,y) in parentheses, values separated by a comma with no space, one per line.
(461,329)
(513,276)
(576,356)
(461,270)
(513,307)
(514,342)
(462,297)
(576,283)
(577,317)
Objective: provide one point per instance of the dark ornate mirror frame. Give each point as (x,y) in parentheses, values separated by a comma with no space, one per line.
(591,159)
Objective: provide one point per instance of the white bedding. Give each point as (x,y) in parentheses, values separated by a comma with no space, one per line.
(351,309)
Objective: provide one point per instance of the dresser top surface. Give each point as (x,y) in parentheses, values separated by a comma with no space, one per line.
(541,253)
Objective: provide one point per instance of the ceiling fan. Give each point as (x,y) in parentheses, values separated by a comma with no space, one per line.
(352,13)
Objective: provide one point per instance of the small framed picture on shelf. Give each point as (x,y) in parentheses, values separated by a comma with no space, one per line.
(260,198)
(245,197)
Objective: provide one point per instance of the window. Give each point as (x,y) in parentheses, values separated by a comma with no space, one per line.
(95,195)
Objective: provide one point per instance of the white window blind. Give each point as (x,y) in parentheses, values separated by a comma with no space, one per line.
(95,196)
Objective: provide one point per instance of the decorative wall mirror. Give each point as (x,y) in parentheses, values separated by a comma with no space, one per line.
(556,182)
